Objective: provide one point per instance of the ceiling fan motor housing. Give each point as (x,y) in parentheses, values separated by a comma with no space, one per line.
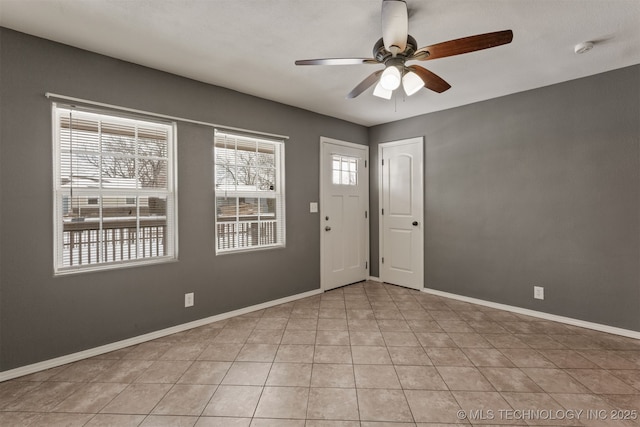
(381,54)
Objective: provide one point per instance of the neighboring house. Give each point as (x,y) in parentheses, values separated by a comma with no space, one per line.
(80,207)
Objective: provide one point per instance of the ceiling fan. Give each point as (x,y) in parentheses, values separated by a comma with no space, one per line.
(397,47)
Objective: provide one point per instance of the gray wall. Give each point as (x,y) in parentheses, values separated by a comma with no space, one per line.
(42,316)
(540,187)
(537,188)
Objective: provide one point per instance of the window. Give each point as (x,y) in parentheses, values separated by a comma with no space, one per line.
(114,190)
(249,192)
(345,170)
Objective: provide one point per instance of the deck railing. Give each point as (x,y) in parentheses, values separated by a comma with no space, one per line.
(120,239)
(89,242)
(246,234)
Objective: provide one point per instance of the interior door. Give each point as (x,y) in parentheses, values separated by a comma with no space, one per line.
(343,213)
(402,212)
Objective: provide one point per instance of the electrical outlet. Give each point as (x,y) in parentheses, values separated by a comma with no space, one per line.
(188,299)
(538,292)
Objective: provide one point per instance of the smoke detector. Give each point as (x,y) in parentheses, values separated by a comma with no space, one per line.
(583,47)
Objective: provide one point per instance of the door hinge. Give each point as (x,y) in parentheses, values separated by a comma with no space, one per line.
(366,215)
(366,265)
(382,162)
(383,260)
(365,163)
(382,211)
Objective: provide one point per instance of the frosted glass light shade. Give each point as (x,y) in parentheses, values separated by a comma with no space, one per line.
(411,83)
(390,79)
(381,92)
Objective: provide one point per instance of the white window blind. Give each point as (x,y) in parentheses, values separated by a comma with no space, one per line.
(249,192)
(114,190)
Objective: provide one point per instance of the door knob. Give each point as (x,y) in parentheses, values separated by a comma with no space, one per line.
(414,223)
(327,228)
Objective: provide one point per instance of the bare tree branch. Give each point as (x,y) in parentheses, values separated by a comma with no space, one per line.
(152,173)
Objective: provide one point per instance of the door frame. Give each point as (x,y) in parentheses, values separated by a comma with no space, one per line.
(323,141)
(381,146)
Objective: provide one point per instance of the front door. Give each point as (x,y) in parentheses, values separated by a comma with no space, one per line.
(402,212)
(344,203)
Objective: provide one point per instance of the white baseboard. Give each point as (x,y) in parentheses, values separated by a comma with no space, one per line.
(85,354)
(539,314)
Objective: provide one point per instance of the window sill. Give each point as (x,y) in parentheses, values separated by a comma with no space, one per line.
(245,250)
(113,266)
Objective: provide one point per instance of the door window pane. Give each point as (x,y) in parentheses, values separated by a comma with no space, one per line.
(344,170)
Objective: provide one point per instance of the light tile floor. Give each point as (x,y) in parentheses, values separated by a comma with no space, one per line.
(368,355)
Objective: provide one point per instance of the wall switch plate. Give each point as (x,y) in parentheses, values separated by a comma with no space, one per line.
(188,299)
(538,292)
(313,207)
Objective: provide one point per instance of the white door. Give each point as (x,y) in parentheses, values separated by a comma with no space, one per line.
(402,211)
(344,224)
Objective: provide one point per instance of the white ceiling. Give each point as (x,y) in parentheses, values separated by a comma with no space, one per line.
(251,45)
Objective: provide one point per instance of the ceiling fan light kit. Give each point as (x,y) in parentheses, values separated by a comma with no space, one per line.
(411,83)
(396,47)
(390,78)
(381,92)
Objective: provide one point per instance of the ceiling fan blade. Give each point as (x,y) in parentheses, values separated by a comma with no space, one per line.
(431,80)
(463,45)
(395,25)
(337,61)
(369,81)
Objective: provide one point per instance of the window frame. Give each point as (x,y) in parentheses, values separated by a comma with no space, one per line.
(170,235)
(351,173)
(278,194)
